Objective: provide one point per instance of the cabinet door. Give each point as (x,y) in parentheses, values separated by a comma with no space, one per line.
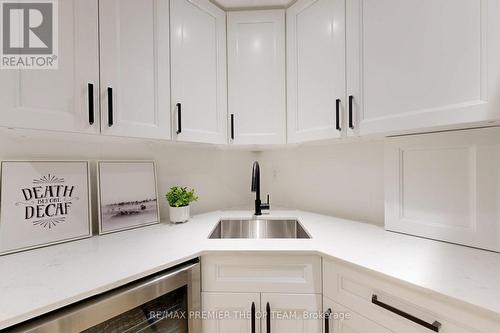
(290,313)
(445,186)
(428,64)
(343,320)
(256,72)
(199,89)
(57,99)
(135,68)
(235,312)
(315,69)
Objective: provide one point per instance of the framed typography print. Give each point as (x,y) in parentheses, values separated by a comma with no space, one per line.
(128,196)
(43,203)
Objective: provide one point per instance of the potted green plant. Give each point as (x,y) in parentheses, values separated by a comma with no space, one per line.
(179,199)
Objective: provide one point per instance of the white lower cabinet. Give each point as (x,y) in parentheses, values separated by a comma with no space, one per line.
(291,313)
(288,287)
(343,320)
(261,312)
(253,293)
(230,312)
(383,305)
(268,273)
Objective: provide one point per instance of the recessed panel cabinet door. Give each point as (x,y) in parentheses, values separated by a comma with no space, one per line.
(315,69)
(199,89)
(291,313)
(256,76)
(445,186)
(134,37)
(235,312)
(344,320)
(58,99)
(417,65)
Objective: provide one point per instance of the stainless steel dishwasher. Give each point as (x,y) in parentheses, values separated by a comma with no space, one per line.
(166,302)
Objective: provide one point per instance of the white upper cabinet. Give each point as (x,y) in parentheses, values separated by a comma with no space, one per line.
(416,65)
(198,54)
(256,76)
(315,69)
(134,39)
(58,99)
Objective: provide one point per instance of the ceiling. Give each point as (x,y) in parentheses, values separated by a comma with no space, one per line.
(247,4)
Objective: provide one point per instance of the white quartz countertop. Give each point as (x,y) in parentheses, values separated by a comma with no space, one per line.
(38,281)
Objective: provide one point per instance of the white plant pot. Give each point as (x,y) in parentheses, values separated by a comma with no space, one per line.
(179,214)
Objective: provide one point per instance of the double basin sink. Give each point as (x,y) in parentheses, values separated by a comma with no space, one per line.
(259,228)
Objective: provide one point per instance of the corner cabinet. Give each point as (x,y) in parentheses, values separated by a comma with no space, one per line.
(316,87)
(428,65)
(59,99)
(256,77)
(135,77)
(198,55)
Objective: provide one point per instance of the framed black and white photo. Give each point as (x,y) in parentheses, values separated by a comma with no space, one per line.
(43,203)
(128,196)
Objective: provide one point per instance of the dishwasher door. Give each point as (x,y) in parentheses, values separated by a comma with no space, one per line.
(162,303)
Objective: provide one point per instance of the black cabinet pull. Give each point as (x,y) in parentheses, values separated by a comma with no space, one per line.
(435,326)
(90,87)
(110,106)
(268,318)
(351,124)
(253,317)
(232,126)
(327,320)
(179,118)
(337,114)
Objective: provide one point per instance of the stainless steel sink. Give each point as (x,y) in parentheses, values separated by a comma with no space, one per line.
(259,228)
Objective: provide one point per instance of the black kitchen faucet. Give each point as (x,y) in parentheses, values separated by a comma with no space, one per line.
(259,206)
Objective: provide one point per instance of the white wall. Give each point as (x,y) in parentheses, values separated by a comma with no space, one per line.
(221,177)
(343,179)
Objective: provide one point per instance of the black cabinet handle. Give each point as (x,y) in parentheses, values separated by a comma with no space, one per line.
(179,118)
(90,87)
(268,318)
(327,320)
(435,326)
(351,123)
(337,114)
(110,106)
(232,126)
(253,317)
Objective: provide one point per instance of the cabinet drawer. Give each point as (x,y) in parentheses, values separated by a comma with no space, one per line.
(261,273)
(355,288)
